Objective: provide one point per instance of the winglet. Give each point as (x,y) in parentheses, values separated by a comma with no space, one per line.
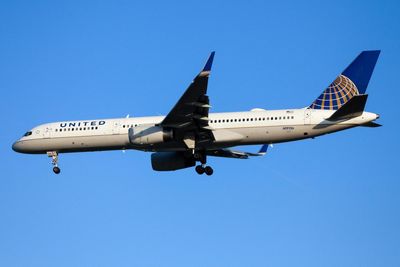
(208,65)
(261,152)
(263,149)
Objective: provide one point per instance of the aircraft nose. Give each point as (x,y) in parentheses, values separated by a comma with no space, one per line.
(17,146)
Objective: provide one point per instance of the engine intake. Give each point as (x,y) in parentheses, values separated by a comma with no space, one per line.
(147,135)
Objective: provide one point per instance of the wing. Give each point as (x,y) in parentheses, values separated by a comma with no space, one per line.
(189,116)
(227,153)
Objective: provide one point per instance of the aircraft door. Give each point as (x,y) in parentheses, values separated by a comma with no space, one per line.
(46,132)
(116,127)
(307,116)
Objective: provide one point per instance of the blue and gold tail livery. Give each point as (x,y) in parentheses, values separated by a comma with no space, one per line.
(352,81)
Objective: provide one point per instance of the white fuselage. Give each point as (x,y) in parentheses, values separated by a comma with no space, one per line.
(229,129)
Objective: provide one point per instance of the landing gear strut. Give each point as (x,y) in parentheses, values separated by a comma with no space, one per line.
(54,161)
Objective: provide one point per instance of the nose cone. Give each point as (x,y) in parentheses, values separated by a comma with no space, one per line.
(18,147)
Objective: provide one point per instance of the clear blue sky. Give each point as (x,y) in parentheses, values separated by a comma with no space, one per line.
(333,201)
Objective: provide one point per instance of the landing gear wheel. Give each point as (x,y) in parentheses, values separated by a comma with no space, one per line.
(56,170)
(208,170)
(199,169)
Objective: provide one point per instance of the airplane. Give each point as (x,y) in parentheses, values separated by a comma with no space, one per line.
(189,133)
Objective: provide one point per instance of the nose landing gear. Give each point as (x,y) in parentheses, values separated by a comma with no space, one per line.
(56,170)
(54,160)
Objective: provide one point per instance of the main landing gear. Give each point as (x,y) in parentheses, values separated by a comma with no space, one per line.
(202,168)
(54,160)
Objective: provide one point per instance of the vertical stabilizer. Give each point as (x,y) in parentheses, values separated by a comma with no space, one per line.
(352,81)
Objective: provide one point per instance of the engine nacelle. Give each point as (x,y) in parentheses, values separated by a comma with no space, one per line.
(170,161)
(147,135)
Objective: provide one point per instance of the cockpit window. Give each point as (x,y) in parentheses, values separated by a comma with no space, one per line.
(28,133)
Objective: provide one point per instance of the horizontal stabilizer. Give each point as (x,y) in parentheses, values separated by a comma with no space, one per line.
(352,108)
(371,124)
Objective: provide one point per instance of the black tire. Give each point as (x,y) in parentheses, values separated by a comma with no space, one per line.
(56,170)
(199,169)
(208,170)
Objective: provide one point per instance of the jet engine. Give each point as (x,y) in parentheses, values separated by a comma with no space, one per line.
(170,161)
(147,135)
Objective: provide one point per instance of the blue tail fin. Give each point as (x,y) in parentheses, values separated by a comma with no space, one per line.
(352,81)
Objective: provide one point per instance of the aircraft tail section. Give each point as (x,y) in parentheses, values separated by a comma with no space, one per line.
(353,81)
